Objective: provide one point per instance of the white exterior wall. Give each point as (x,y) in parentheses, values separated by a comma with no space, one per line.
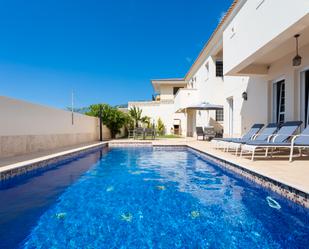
(258,29)
(209,89)
(186,97)
(163,110)
(256,24)
(166,92)
(27,128)
(245,113)
(259,107)
(191,123)
(282,69)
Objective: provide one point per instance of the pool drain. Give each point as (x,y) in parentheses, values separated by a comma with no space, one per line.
(272,203)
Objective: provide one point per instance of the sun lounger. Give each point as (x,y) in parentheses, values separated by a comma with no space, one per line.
(222,142)
(269,130)
(300,141)
(280,139)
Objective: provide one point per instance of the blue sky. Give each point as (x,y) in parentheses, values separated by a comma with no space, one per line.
(106,51)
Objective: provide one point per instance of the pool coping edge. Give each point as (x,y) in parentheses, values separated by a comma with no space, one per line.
(289,192)
(19,168)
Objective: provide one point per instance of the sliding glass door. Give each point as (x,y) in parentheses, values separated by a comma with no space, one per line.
(231,116)
(279,101)
(304,100)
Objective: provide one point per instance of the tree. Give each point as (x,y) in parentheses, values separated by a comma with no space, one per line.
(111,117)
(147,121)
(130,125)
(136,114)
(160,127)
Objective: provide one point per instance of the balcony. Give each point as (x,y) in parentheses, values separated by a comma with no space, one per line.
(259,36)
(185,97)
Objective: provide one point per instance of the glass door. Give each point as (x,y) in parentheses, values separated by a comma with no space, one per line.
(279,102)
(304,100)
(231,116)
(307,98)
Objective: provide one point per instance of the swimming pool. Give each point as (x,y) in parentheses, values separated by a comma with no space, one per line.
(145,198)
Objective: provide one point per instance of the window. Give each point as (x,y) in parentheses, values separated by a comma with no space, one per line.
(207,70)
(175,90)
(193,82)
(279,102)
(219,68)
(230,102)
(219,115)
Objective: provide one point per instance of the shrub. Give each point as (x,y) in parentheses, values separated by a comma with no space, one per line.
(113,118)
(160,127)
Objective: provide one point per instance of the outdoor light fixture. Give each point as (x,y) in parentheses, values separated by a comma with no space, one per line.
(245,96)
(297,58)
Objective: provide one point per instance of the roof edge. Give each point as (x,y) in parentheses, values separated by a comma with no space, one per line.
(156,83)
(167,79)
(221,23)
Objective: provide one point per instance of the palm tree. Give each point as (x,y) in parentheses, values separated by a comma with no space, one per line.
(136,114)
(146,120)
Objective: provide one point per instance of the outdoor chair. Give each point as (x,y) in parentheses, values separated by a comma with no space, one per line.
(200,132)
(209,133)
(150,132)
(139,132)
(131,133)
(278,140)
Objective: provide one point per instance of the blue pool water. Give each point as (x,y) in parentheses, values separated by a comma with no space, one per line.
(145,198)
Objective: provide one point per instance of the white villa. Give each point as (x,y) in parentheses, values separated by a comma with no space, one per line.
(163,106)
(253,69)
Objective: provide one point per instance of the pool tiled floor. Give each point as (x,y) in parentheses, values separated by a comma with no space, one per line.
(278,168)
(294,174)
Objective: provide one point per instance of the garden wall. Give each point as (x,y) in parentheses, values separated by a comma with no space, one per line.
(27,128)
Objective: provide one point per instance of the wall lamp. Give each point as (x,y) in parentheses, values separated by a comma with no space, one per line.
(297,58)
(245,96)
